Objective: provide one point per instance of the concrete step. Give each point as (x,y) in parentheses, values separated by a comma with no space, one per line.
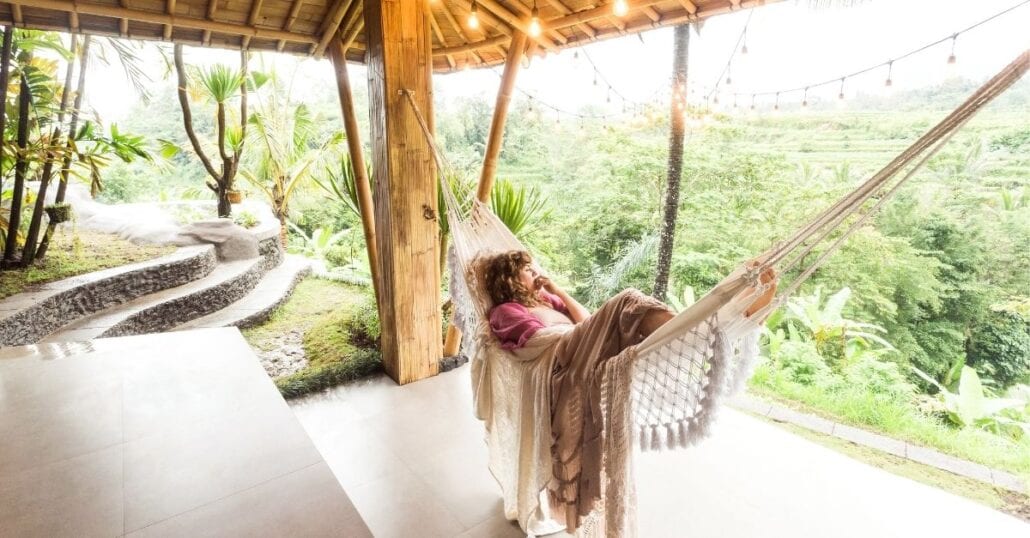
(256,307)
(27,317)
(161,311)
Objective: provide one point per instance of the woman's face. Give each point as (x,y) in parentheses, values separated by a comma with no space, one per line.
(527,276)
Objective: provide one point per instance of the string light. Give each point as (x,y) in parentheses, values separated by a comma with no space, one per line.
(534,22)
(804,99)
(951,57)
(890,70)
(729,75)
(473,21)
(777,105)
(620,8)
(743,48)
(752,101)
(841,94)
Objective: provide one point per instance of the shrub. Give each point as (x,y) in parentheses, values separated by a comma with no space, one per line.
(362,362)
(1000,348)
(801,363)
(364,323)
(881,378)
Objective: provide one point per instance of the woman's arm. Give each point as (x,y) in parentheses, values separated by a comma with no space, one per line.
(577,311)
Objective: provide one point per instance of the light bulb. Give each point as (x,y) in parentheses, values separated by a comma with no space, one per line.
(473,21)
(620,8)
(534,23)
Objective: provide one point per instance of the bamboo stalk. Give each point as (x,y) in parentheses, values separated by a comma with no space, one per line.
(169,9)
(495,139)
(333,19)
(290,19)
(338,57)
(255,11)
(516,22)
(212,6)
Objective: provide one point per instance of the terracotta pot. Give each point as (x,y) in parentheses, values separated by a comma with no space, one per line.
(234,196)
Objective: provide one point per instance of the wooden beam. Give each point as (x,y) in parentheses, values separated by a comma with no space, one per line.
(493,41)
(16,15)
(73,22)
(212,6)
(169,9)
(123,24)
(496,137)
(104,10)
(332,22)
(338,57)
(352,34)
(255,12)
(692,7)
(439,35)
(599,12)
(564,10)
(650,13)
(516,22)
(290,19)
(453,21)
(400,64)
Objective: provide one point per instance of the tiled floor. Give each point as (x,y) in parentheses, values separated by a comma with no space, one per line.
(413,462)
(162,435)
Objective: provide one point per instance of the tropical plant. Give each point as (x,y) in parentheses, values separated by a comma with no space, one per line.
(970,406)
(220,84)
(1000,347)
(830,331)
(339,181)
(518,207)
(289,152)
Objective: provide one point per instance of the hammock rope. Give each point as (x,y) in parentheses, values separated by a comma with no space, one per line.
(685,368)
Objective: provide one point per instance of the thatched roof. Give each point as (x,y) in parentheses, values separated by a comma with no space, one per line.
(306,27)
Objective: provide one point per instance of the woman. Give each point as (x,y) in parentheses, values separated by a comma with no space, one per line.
(572,348)
(527,304)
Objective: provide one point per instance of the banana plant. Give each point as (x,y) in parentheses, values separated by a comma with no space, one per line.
(826,324)
(970,406)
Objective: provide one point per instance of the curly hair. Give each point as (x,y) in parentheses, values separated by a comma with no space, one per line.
(501,276)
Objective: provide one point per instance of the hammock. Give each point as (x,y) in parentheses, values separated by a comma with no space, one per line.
(681,372)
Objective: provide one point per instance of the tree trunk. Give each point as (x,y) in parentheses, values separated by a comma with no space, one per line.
(5,71)
(20,168)
(675,169)
(62,186)
(28,253)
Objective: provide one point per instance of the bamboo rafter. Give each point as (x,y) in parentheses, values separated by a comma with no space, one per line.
(306,27)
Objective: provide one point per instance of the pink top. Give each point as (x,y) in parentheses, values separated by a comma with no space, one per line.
(513,324)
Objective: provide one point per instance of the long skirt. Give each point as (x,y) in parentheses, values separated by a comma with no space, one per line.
(576,417)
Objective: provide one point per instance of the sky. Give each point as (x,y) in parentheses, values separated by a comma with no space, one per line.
(790,45)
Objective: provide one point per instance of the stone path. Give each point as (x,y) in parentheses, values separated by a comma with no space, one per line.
(919,454)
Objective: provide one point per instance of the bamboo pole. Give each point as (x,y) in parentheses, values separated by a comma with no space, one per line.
(104,10)
(493,142)
(452,343)
(333,19)
(255,12)
(5,65)
(290,19)
(516,22)
(338,57)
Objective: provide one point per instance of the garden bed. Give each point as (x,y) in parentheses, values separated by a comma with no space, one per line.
(76,253)
(324,335)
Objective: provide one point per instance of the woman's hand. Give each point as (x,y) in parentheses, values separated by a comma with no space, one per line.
(542,282)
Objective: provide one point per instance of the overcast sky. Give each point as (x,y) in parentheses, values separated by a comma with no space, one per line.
(789,45)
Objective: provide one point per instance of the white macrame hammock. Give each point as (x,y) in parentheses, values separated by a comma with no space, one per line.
(686,368)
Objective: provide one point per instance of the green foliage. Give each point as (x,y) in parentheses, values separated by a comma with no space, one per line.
(800,362)
(1000,347)
(341,182)
(361,363)
(518,207)
(246,219)
(970,406)
(880,378)
(220,82)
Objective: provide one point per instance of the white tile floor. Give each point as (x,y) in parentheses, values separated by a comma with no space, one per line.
(413,462)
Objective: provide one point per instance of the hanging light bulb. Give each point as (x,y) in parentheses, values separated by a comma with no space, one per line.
(804,99)
(951,57)
(752,101)
(534,22)
(473,21)
(609,94)
(841,94)
(620,8)
(595,77)
(729,76)
(776,106)
(890,70)
(743,48)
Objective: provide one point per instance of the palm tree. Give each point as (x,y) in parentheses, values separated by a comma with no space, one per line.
(681,42)
(220,83)
(289,153)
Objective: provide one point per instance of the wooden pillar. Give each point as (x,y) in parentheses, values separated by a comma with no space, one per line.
(496,137)
(399,59)
(493,150)
(338,56)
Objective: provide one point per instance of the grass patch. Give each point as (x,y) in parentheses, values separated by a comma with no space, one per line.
(1012,503)
(340,337)
(76,253)
(898,420)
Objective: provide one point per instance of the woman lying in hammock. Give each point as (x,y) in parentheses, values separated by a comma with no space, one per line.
(578,344)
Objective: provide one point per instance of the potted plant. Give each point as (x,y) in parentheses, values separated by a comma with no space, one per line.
(234,196)
(58,213)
